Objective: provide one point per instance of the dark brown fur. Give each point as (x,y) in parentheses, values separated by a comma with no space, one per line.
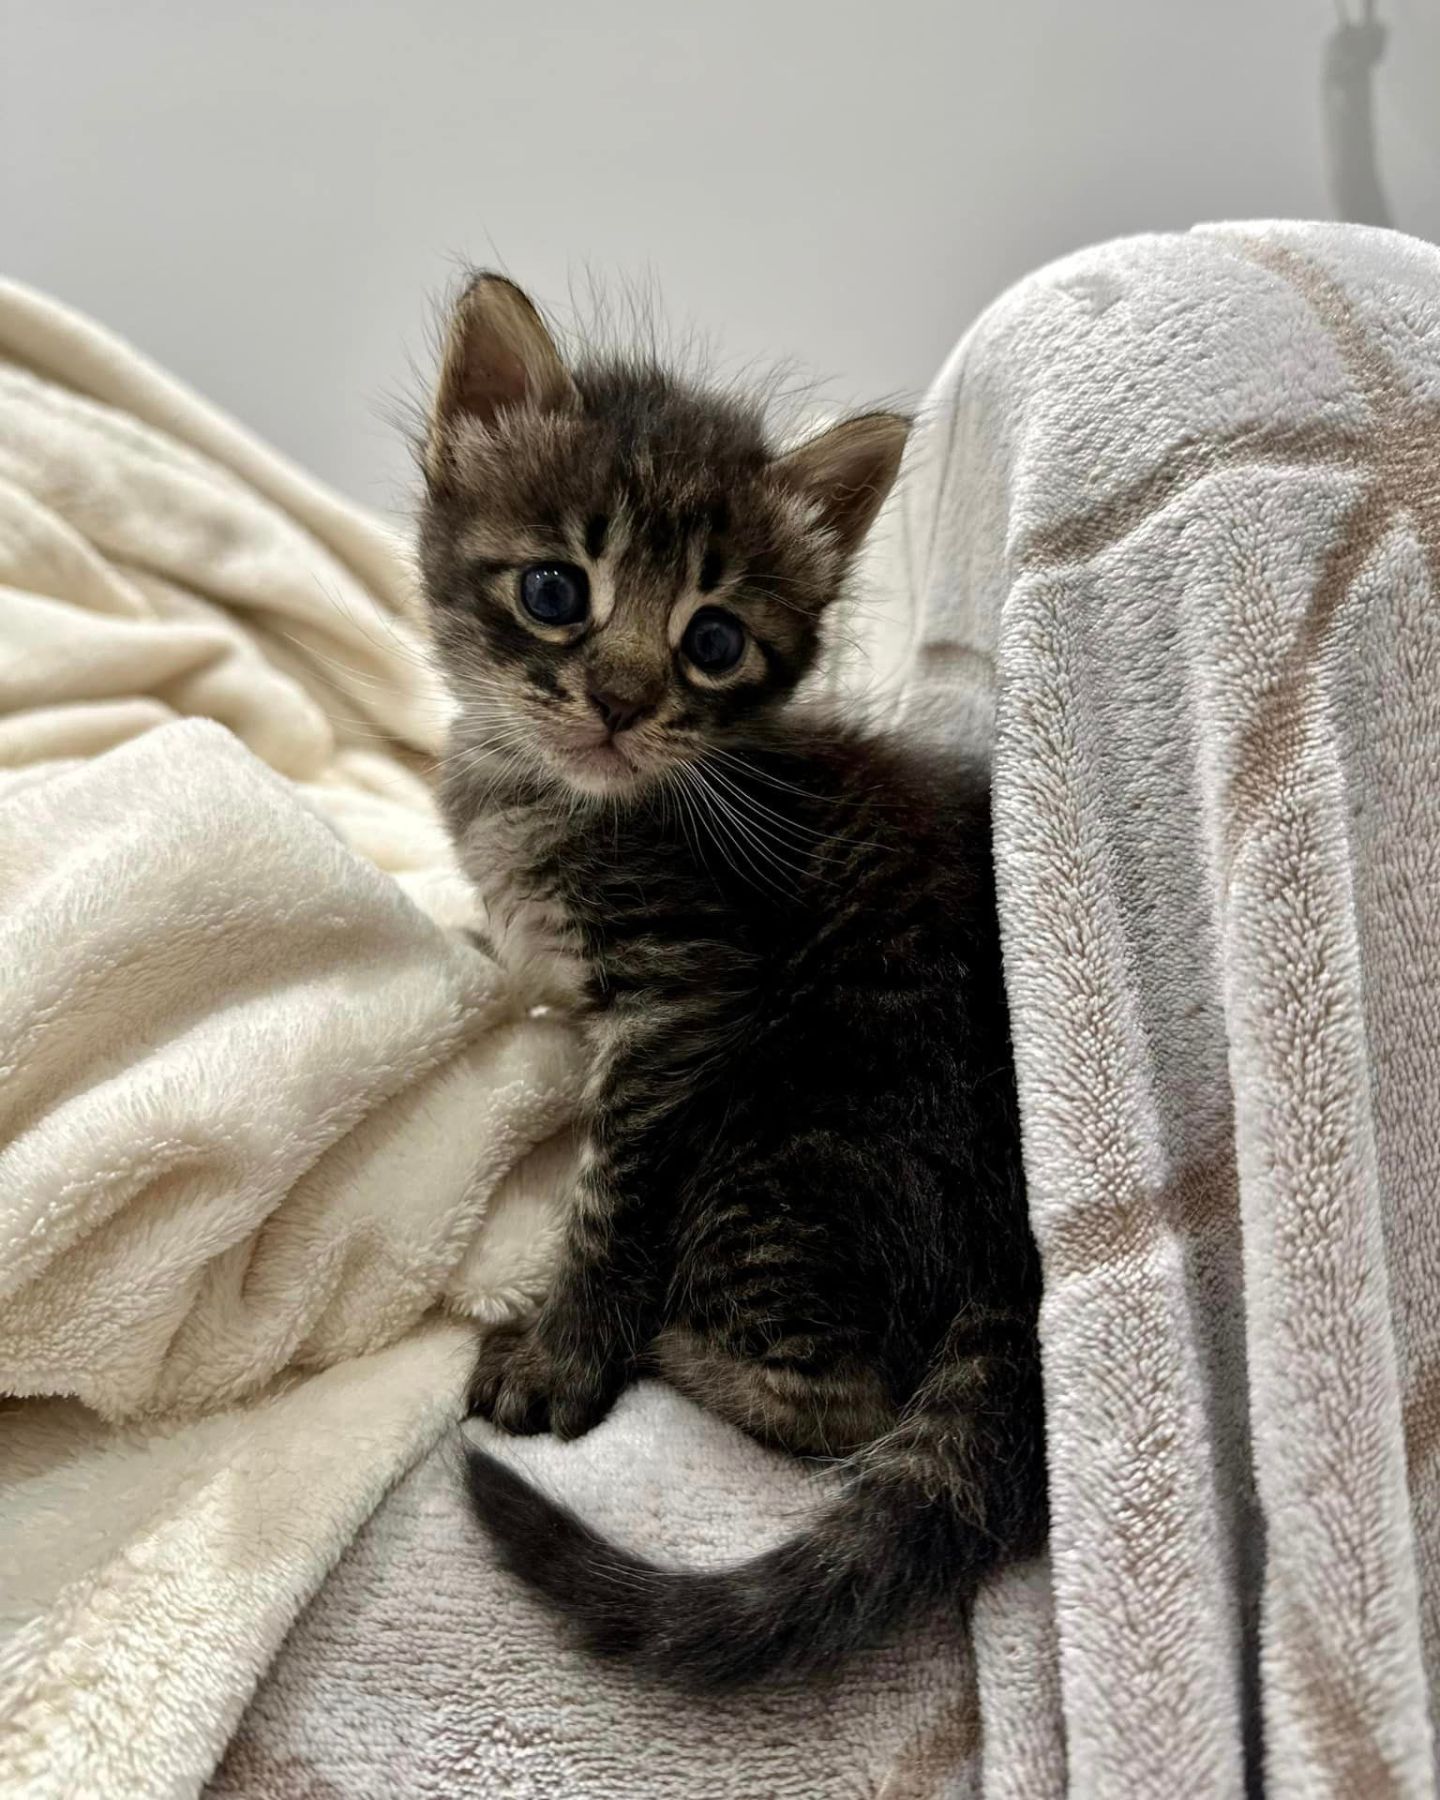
(802,1199)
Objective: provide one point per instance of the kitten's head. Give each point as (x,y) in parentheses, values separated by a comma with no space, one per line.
(622,572)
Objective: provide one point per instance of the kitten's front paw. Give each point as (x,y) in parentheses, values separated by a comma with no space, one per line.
(525,1384)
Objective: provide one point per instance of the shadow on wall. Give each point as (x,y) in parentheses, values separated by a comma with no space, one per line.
(1353,52)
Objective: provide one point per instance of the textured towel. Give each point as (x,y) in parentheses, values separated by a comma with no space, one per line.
(1183,496)
(1168,533)
(418,1670)
(263,1109)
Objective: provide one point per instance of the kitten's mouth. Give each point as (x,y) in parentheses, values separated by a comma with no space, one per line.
(597,767)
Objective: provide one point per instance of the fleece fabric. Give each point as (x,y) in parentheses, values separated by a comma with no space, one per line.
(271,1126)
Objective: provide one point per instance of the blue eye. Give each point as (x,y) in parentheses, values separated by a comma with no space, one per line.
(714,640)
(555,593)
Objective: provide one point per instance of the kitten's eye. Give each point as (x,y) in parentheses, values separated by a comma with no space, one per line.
(555,593)
(714,640)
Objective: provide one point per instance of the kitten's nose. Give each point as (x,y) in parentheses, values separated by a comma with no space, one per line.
(618,712)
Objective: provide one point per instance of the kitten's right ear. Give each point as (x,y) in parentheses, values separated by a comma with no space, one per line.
(498,355)
(846,472)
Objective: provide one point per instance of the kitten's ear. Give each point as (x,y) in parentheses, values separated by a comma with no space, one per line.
(847,471)
(498,355)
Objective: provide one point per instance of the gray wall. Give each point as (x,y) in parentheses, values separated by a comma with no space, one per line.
(265,196)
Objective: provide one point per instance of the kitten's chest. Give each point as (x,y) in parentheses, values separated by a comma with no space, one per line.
(515,858)
(611,906)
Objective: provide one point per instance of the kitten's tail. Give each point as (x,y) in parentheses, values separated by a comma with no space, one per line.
(922,1516)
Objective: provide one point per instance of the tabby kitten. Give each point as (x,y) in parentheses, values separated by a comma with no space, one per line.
(801,1198)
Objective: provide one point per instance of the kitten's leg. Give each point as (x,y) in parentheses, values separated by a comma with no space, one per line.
(777,1318)
(563,1371)
(831,1411)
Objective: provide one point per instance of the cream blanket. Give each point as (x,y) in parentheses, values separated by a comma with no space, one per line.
(264,1108)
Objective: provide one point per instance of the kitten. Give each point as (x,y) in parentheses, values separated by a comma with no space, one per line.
(801,1199)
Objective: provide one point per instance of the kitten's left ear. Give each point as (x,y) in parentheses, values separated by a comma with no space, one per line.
(498,356)
(847,471)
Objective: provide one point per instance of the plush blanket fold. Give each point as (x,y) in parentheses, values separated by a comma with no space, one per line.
(264,1108)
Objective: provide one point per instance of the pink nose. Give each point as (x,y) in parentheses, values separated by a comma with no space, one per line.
(618,712)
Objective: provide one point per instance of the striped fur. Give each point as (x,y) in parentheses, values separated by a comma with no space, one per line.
(801,1199)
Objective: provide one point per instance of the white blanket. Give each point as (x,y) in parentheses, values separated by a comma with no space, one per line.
(264,1108)
(1181,495)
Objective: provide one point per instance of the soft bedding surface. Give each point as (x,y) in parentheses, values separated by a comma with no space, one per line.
(270,1124)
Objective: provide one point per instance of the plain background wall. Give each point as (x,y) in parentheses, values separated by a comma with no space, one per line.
(267,197)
